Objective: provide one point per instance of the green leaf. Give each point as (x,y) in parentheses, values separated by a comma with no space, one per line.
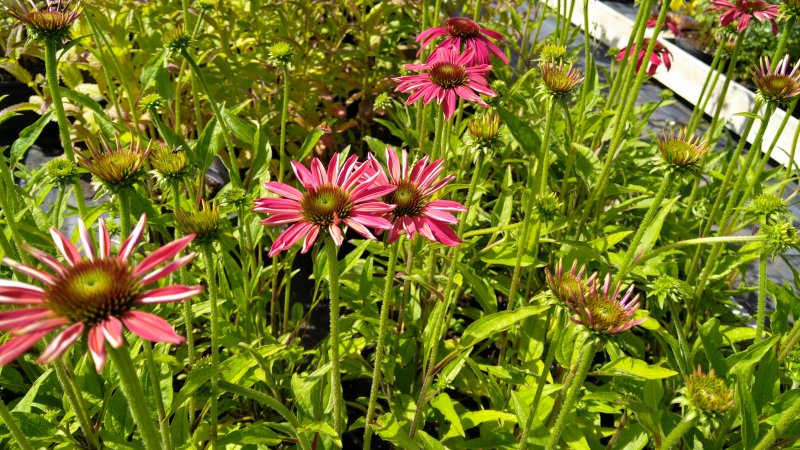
(389,429)
(208,145)
(481,289)
(252,434)
(196,378)
(36,427)
(309,143)
(496,323)
(653,230)
(27,137)
(322,428)
(743,362)
(711,338)
(522,132)
(444,405)
(747,408)
(636,368)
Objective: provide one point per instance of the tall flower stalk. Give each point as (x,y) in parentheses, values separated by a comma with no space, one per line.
(337,399)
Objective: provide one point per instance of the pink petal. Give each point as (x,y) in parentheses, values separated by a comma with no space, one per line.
(360,229)
(151,327)
(65,247)
(319,171)
(45,259)
(133,240)
(97,348)
(103,239)
(61,343)
(284,190)
(16,293)
(336,234)
(169,294)
(162,255)
(23,317)
(289,237)
(27,270)
(15,347)
(443,233)
(393,163)
(86,241)
(166,270)
(304,176)
(283,218)
(311,237)
(112,331)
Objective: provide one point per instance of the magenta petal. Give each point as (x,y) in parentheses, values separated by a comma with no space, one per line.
(304,176)
(27,270)
(15,347)
(97,347)
(112,331)
(151,327)
(283,218)
(61,343)
(336,234)
(169,294)
(86,241)
(168,269)
(24,317)
(444,233)
(311,237)
(446,205)
(162,255)
(45,259)
(103,239)
(133,240)
(65,247)
(284,190)
(359,228)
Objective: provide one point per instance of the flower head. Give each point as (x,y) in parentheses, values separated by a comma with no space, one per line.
(474,37)
(742,11)
(560,80)
(669,23)
(280,53)
(415,211)
(169,164)
(781,236)
(446,78)
(485,130)
(600,309)
(115,167)
(202,221)
(177,41)
(52,21)
(61,171)
(680,151)
(779,84)
(95,293)
(563,285)
(547,205)
(550,51)
(769,206)
(660,55)
(334,197)
(707,393)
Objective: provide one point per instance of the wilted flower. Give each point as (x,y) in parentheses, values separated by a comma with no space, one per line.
(61,171)
(53,21)
(601,309)
(474,37)
(669,23)
(333,197)
(706,393)
(562,285)
(547,205)
(202,221)
(96,292)
(742,11)
(680,151)
(280,53)
(115,167)
(485,130)
(779,84)
(661,54)
(558,79)
(415,212)
(445,79)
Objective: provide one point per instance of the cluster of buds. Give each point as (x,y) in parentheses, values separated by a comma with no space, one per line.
(547,205)
(61,171)
(781,236)
(234,196)
(552,52)
(768,207)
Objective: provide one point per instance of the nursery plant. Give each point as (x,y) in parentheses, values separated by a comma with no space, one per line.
(391,224)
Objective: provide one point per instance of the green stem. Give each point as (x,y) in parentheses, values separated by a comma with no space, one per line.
(213,297)
(792,153)
(437,134)
(12,426)
(781,48)
(71,388)
(58,204)
(698,241)
(336,381)
(129,382)
(789,416)
(728,78)
(124,213)
(792,337)
(540,382)
(386,306)
(275,295)
(491,230)
(155,385)
(630,255)
(234,165)
(675,435)
(708,87)
(188,317)
(587,355)
(284,118)
(477,14)
(762,292)
(287,292)
(51,69)
(272,403)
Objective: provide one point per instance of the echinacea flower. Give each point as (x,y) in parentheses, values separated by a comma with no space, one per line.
(49,22)
(415,212)
(115,167)
(601,309)
(660,55)
(779,84)
(474,37)
(95,293)
(447,77)
(559,79)
(201,220)
(680,150)
(669,23)
(169,164)
(562,284)
(706,393)
(333,197)
(485,131)
(742,11)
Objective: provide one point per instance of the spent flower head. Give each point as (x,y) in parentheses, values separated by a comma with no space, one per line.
(202,221)
(679,151)
(415,210)
(96,293)
(50,22)
(706,393)
(779,84)
(600,308)
(333,197)
(115,167)
(61,171)
(559,79)
(474,37)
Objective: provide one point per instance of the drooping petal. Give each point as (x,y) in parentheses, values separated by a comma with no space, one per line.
(112,331)
(151,327)
(24,317)
(168,294)
(61,343)
(27,270)
(162,255)
(97,347)
(45,259)
(15,347)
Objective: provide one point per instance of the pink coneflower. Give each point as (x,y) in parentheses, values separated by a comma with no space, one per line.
(778,84)
(95,292)
(447,77)
(474,36)
(415,211)
(661,54)
(669,23)
(742,11)
(334,197)
(601,310)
